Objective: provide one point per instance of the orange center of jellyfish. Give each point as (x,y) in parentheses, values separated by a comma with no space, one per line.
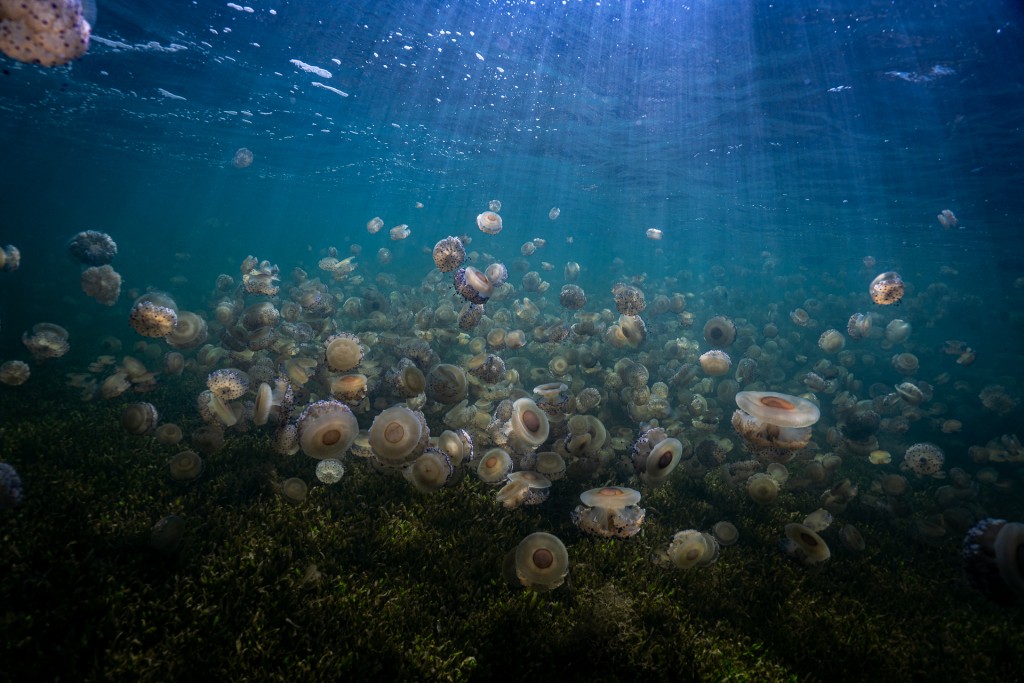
(530,421)
(776,402)
(331,437)
(543,558)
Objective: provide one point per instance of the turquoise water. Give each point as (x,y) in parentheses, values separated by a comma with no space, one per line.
(776,148)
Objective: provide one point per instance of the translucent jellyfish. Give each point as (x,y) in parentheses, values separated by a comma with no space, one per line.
(489,222)
(494,205)
(10,486)
(399,232)
(374,225)
(654,234)
(947,219)
(243,158)
(330,471)
(102,283)
(554,213)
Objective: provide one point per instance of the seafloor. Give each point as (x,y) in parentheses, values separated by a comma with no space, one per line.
(370,579)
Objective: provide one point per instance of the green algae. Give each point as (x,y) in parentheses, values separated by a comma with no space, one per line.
(368,578)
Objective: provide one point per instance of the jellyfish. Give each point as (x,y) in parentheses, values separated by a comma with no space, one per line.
(243,158)
(887,289)
(44,32)
(10,486)
(93,248)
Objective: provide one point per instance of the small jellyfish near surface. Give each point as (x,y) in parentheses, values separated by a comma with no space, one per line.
(374,225)
(554,213)
(243,158)
(947,219)
(887,289)
(494,205)
(654,234)
(330,471)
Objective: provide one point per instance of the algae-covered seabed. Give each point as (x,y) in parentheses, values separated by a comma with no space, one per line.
(369,578)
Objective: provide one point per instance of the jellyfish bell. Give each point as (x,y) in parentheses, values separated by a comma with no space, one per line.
(449,254)
(924,459)
(887,288)
(430,471)
(858,326)
(45,33)
(779,409)
(529,424)
(720,332)
(489,222)
(139,418)
(551,465)
(446,383)
(611,512)
(93,248)
(228,383)
(661,461)
(330,471)
(399,232)
(524,488)
(166,535)
(629,300)
(326,429)
(831,341)
(715,363)
(150,319)
(687,549)
(398,435)
(725,533)
(494,466)
(541,562)
(497,273)
(343,352)
(762,488)
(294,491)
(473,285)
(185,466)
(993,560)
(243,158)
(804,545)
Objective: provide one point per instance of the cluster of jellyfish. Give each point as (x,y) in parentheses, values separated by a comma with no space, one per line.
(492,372)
